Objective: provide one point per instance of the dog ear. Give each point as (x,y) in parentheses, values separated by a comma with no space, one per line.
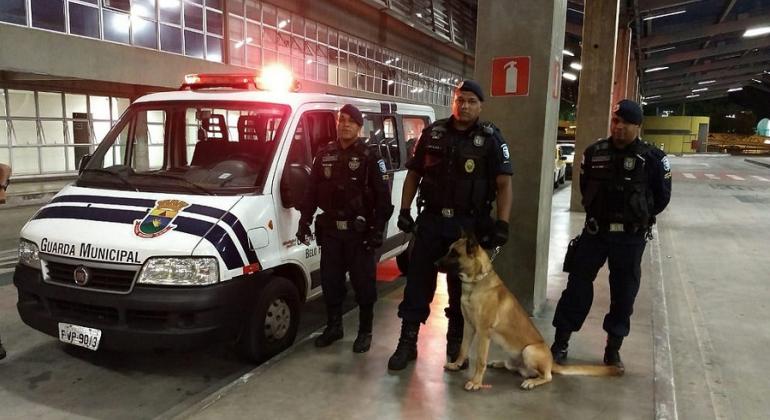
(471,244)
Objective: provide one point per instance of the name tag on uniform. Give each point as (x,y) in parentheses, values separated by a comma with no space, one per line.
(600,158)
(617,227)
(329,158)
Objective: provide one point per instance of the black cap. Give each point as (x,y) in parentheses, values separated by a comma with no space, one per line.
(471,86)
(629,110)
(354,113)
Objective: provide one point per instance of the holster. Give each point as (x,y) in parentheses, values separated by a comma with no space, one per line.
(569,256)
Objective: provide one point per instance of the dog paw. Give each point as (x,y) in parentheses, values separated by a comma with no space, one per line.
(474,386)
(496,364)
(529,384)
(452,366)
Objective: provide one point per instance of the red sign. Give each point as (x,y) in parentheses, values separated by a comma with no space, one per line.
(510,76)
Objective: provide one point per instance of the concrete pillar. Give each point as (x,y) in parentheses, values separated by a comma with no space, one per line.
(632,84)
(600,27)
(529,124)
(622,61)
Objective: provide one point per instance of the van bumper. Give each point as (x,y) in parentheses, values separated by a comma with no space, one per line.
(147,318)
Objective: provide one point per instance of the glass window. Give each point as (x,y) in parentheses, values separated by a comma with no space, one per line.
(49,104)
(100,108)
(24,132)
(269,15)
(193,17)
(48,14)
(75,103)
(214,49)
(13,11)
(3,135)
(84,20)
(235,7)
(144,33)
(52,132)
(253,10)
(216,4)
(22,103)
(54,159)
(143,8)
(100,130)
(171,39)
(253,56)
(2,103)
(119,106)
(124,5)
(214,22)
(253,33)
(25,160)
(116,26)
(5,154)
(193,44)
(171,11)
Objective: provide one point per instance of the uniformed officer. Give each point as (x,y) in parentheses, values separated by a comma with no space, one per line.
(349,183)
(625,183)
(461,165)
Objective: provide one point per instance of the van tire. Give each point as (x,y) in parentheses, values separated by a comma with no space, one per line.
(267,330)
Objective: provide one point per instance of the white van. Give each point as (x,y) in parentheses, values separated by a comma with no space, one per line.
(180,229)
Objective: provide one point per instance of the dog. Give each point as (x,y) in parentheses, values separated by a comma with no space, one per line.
(492,313)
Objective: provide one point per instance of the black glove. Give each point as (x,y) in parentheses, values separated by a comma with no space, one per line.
(405,221)
(500,233)
(303,232)
(373,239)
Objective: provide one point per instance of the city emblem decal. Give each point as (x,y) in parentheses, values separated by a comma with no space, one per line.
(159,219)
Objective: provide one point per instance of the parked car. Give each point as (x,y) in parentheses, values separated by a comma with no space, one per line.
(559,168)
(568,151)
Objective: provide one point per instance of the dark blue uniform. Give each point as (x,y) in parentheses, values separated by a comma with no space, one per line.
(458,172)
(351,187)
(623,190)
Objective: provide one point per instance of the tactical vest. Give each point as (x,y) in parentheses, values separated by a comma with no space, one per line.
(343,186)
(617,186)
(457,171)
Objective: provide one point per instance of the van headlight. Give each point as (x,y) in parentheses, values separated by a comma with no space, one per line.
(29,254)
(180,271)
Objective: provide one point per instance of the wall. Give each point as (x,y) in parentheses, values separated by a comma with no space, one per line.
(673,134)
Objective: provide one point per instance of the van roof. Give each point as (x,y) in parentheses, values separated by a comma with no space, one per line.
(292,99)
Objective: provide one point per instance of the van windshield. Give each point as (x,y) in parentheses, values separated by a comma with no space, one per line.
(221,148)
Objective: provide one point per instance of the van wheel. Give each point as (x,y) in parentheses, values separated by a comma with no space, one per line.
(402,259)
(272,324)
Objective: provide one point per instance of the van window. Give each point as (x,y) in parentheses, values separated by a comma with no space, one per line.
(315,129)
(413,126)
(382,137)
(190,147)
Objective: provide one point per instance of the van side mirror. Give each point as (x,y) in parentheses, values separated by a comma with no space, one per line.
(295,178)
(83,162)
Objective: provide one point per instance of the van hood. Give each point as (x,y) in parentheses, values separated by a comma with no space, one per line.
(129,227)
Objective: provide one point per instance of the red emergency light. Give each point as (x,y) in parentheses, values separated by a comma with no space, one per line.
(271,78)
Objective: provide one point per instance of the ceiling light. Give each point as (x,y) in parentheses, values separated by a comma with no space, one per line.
(678,12)
(644,103)
(692,96)
(568,52)
(309,61)
(575,65)
(652,97)
(700,90)
(707,82)
(569,76)
(736,89)
(650,70)
(419,15)
(390,82)
(758,81)
(762,30)
(657,50)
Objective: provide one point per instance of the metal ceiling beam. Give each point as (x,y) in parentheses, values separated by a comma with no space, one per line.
(753,60)
(687,89)
(707,52)
(679,100)
(652,5)
(703,32)
(718,76)
(728,7)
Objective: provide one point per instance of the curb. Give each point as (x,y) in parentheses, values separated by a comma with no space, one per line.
(758,162)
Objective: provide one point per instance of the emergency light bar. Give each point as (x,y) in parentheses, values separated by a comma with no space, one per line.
(272,78)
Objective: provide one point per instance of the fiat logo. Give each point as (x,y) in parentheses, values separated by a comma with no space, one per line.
(81,275)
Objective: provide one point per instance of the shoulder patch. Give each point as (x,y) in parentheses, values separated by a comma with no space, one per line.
(666,164)
(381,165)
(506,153)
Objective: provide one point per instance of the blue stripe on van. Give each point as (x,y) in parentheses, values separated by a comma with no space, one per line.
(216,235)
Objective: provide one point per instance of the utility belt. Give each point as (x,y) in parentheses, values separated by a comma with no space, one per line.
(355,225)
(448,212)
(594,226)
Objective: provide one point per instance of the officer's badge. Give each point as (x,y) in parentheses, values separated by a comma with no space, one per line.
(629,163)
(158,219)
(470,165)
(478,141)
(327,171)
(354,163)
(436,134)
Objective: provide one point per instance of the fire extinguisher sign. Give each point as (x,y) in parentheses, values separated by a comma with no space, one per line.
(510,76)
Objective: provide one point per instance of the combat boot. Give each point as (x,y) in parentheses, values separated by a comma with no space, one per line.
(454,340)
(2,351)
(364,339)
(407,346)
(612,352)
(333,331)
(559,346)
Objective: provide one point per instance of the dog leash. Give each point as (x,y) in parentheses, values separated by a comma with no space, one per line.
(495,253)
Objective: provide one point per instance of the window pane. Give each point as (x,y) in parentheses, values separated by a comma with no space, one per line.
(214,23)
(2,103)
(100,107)
(144,8)
(75,103)
(253,56)
(54,159)
(116,26)
(100,130)
(193,17)
(84,20)
(25,160)
(22,103)
(48,14)
(213,49)
(119,105)
(216,4)
(268,15)
(49,104)
(3,135)
(24,132)
(193,44)
(253,33)
(253,10)
(5,154)
(144,33)
(171,11)
(124,5)
(13,11)
(53,132)
(171,39)
(235,7)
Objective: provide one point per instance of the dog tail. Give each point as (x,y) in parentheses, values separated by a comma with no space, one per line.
(586,370)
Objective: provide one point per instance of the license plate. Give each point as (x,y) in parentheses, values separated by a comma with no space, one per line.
(80,336)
